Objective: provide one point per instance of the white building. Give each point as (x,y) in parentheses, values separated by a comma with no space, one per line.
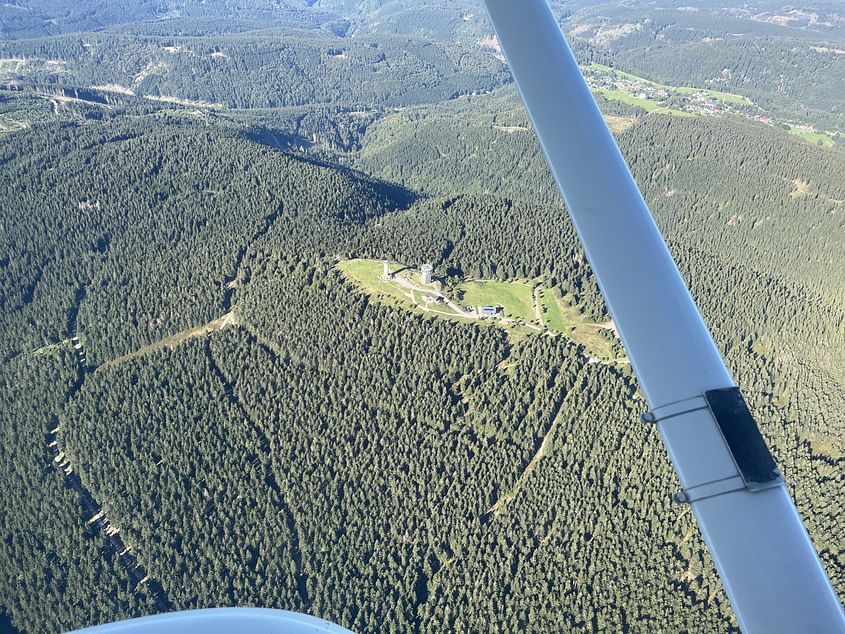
(426,271)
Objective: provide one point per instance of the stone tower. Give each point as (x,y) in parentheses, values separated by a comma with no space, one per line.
(426,271)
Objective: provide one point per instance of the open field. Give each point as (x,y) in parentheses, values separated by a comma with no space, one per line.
(725,97)
(652,96)
(813,137)
(561,317)
(618,124)
(367,275)
(552,311)
(515,297)
(649,105)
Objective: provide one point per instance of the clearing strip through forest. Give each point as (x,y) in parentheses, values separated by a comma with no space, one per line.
(92,509)
(229,319)
(506,498)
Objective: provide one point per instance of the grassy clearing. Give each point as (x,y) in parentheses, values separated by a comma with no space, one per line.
(814,137)
(563,318)
(552,311)
(592,338)
(826,446)
(581,330)
(624,96)
(649,105)
(367,276)
(800,188)
(8,125)
(729,97)
(618,124)
(515,297)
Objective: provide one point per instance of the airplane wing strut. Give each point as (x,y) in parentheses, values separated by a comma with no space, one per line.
(764,556)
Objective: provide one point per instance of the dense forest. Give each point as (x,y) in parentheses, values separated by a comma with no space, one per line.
(260,72)
(739,188)
(199,410)
(20,19)
(415,430)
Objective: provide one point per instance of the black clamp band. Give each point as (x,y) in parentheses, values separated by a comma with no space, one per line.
(756,469)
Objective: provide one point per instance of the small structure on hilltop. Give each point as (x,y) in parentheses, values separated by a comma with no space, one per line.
(490,311)
(387,273)
(426,273)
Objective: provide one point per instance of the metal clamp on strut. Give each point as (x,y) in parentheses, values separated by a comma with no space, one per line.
(676,408)
(709,490)
(756,468)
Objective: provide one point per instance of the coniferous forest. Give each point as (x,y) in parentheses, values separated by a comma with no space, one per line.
(198,409)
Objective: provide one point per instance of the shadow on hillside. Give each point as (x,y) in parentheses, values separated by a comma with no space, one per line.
(295,147)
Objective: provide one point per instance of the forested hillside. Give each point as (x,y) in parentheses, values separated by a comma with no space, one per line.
(199,408)
(326,454)
(743,190)
(258,71)
(20,19)
(143,220)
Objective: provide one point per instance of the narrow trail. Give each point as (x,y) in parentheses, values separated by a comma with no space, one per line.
(505,499)
(424,582)
(92,510)
(231,282)
(269,478)
(535,293)
(224,321)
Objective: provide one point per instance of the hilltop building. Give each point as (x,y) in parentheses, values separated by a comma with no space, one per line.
(490,311)
(426,273)
(386,270)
